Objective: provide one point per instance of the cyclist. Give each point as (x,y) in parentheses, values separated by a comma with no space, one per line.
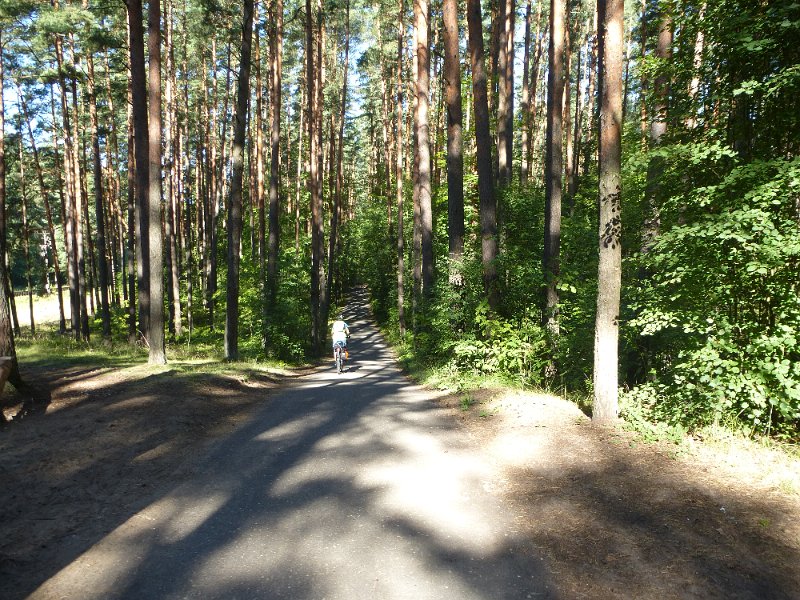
(340,332)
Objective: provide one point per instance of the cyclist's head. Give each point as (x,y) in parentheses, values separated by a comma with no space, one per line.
(341,316)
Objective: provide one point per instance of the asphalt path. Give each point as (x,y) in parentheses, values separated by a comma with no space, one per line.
(345,486)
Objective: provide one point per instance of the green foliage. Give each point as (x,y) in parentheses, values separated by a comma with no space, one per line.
(721,310)
(498,346)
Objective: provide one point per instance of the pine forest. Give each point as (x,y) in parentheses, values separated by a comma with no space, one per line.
(602,200)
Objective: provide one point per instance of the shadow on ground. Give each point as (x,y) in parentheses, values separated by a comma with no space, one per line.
(332,488)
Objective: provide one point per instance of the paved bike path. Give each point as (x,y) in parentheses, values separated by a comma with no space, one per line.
(344,486)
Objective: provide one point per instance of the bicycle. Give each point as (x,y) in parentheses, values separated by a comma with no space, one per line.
(339,356)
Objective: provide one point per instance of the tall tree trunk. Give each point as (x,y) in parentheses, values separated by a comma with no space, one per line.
(455,157)
(303,113)
(324,301)
(68,206)
(155,333)
(422,26)
(26,235)
(524,104)
(337,195)
(697,64)
(172,165)
(133,175)
(141,145)
(276,65)
(658,127)
(488,204)
(235,202)
(577,130)
(591,107)
(48,212)
(505,93)
(534,86)
(609,274)
(80,208)
(259,158)
(102,251)
(401,316)
(313,183)
(644,84)
(568,122)
(553,166)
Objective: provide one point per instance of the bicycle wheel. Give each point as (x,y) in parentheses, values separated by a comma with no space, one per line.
(338,360)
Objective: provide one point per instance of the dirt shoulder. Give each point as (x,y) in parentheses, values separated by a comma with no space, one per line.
(108,440)
(618,518)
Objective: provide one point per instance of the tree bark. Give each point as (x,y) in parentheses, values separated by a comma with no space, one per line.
(132,221)
(235,202)
(401,318)
(505,93)
(553,166)
(488,204)
(68,206)
(422,26)
(276,62)
(26,237)
(524,105)
(141,145)
(339,159)
(455,157)
(658,127)
(609,274)
(314,184)
(102,251)
(155,332)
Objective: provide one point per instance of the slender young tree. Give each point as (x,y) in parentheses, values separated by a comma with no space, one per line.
(338,160)
(658,127)
(609,274)
(235,202)
(505,91)
(314,184)
(401,318)
(100,219)
(276,62)
(488,204)
(43,190)
(553,165)
(155,332)
(524,104)
(455,157)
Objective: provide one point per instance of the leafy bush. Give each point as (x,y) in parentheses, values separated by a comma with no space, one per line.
(500,346)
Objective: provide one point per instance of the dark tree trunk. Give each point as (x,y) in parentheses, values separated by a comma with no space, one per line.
(553,166)
(235,203)
(141,145)
(455,157)
(98,202)
(505,92)
(131,216)
(488,204)
(401,317)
